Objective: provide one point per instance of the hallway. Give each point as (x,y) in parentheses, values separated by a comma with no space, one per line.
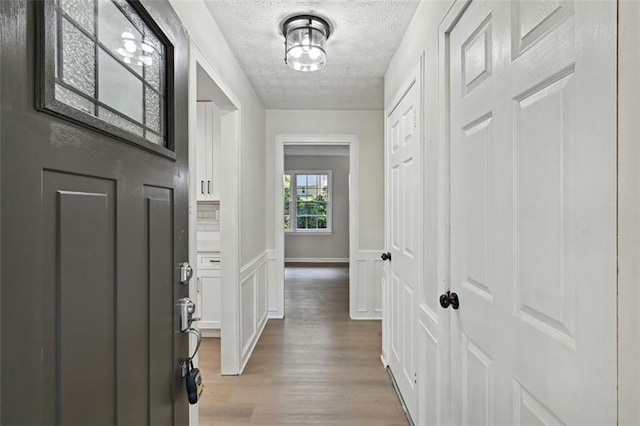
(314,367)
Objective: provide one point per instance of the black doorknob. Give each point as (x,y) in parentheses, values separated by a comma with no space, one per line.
(449,299)
(386,256)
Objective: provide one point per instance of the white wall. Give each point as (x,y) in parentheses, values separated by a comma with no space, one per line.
(628,213)
(368,125)
(206,34)
(249,271)
(323,246)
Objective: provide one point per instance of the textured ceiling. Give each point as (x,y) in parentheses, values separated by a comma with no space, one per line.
(364,37)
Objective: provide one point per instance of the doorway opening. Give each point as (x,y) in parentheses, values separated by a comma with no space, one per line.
(316,220)
(309,221)
(214,122)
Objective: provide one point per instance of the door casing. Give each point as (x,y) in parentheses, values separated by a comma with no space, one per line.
(276,289)
(229,103)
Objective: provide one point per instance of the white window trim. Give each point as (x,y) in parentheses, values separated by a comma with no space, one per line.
(293,207)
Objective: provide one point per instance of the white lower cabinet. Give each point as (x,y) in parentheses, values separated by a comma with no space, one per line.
(209,291)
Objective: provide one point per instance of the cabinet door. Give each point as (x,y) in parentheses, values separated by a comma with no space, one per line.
(202,153)
(209,132)
(214,157)
(209,289)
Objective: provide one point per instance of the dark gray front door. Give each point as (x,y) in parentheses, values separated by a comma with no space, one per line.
(93,215)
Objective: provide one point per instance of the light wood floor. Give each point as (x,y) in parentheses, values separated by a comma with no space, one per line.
(314,367)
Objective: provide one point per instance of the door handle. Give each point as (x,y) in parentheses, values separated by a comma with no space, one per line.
(449,299)
(209,186)
(187,309)
(386,256)
(202,187)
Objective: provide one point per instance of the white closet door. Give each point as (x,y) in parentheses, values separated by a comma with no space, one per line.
(405,241)
(533,212)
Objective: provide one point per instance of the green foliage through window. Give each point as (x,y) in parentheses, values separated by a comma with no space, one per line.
(309,210)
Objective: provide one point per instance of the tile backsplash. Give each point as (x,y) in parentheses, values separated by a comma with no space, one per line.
(208,216)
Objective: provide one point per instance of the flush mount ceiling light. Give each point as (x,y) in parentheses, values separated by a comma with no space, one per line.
(304,39)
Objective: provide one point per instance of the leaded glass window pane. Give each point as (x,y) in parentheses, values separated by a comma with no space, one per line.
(111,65)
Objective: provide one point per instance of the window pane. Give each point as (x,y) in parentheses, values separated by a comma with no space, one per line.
(153,67)
(302,223)
(287,222)
(74,100)
(312,222)
(81,11)
(118,34)
(159,140)
(322,222)
(312,180)
(301,180)
(303,208)
(119,88)
(119,121)
(131,14)
(78,59)
(152,110)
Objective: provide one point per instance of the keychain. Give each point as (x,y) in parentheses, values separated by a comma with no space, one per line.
(192,374)
(194,383)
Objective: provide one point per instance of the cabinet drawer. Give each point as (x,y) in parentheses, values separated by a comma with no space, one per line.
(208,261)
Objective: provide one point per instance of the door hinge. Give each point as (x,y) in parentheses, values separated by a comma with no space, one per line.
(415,119)
(415,378)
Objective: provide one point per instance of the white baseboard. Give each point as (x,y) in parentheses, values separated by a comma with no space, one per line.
(316,260)
(366,318)
(210,332)
(275,314)
(252,345)
(384,361)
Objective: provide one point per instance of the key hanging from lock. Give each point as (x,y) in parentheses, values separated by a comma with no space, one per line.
(192,375)
(195,386)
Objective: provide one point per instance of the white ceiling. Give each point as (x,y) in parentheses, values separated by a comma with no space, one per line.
(364,37)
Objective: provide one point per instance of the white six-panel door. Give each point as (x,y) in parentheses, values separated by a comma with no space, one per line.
(404,240)
(533,213)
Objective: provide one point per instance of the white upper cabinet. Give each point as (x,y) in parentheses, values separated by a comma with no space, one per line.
(208,152)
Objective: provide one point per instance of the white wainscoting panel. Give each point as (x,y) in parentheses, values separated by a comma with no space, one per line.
(317,260)
(430,399)
(366,290)
(253,304)
(275,285)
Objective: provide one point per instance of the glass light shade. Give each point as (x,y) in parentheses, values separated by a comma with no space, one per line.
(305,38)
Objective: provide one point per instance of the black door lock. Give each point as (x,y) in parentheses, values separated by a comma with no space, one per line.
(449,299)
(386,256)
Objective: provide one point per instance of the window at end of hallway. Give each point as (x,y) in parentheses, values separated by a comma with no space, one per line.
(307,202)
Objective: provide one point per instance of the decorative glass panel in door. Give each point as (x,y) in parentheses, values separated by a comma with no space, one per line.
(110,69)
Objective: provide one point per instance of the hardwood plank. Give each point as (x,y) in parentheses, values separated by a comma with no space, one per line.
(314,367)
